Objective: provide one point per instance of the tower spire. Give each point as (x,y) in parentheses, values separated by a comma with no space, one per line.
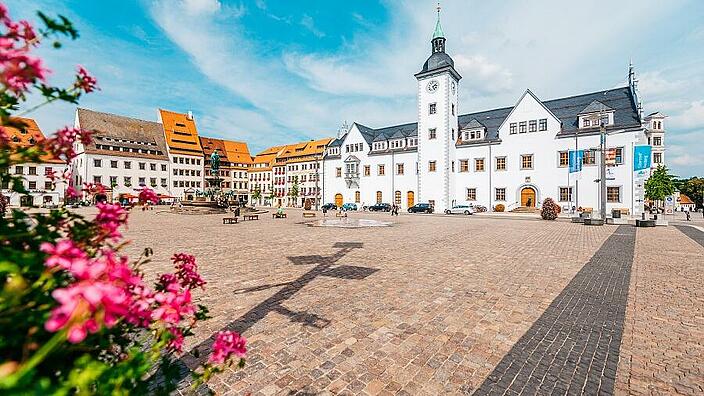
(438,29)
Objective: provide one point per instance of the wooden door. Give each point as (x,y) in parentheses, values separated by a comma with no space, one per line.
(410,198)
(338,200)
(528,197)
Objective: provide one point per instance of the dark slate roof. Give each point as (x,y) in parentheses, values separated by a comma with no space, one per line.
(566,109)
(595,107)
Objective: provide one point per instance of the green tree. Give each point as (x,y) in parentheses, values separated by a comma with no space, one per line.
(660,184)
(693,188)
(295,190)
(256,194)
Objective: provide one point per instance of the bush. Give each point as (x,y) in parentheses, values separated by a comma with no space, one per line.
(76,315)
(499,208)
(549,210)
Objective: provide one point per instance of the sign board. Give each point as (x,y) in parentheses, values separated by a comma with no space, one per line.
(669,205)
(576,160)
(641,157)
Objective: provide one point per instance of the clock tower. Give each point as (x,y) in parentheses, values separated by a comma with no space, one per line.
(438,83)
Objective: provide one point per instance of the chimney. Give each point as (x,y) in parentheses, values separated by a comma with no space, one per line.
(190,115)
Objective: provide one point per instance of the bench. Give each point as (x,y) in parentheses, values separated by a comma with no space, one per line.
(624,211)
(308,214)
(278,216)
(343,214)
(250,217)
(229,220)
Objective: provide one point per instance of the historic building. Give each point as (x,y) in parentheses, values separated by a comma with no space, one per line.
(234,162)
(185,153)
(514,156)
(261,176)
(125,155)
(302,171)
(42,189)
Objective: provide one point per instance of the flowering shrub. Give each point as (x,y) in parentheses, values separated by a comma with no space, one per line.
(76,315)
(499,208)
(549,210)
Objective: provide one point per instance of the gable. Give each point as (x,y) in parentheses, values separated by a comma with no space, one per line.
(529,109)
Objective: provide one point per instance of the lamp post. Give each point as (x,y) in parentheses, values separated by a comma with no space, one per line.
(602,169)
(317,177)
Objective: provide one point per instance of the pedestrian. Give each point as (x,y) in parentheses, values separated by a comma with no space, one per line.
(687,213)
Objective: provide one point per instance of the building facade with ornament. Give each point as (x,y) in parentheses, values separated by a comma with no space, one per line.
(506,158)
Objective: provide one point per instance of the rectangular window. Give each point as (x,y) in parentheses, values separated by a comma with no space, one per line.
(453,109)
(163,182)
(471,194)
(565,194)
(367,170)
(432,108)
(543,124)
(128,165)
(613,194)
(381,171)
(113,180)
(175,162)
(500,163)
(527,161)
(532,126)
(513,128)
(619,155)
(32,170)
(338,172)
(163,167)
(431,166)
(522,127)
(399,169)
(113,164)
(589,157)
(175,183)
(657,141)
(586,123)
(97,163)
(152,167)
(464,165)
(128,181)
(500,194)
(19,170)
(97,179)
(32,185)
(564,159)
(432,133)
(479,164)
(142,181)
(657,158)
(48,185)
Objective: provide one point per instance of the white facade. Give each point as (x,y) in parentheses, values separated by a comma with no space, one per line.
(515,156)
(186,176)
(304,174)
(42,190)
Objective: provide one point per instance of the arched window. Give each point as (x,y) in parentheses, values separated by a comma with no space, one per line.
(357,198)
(397,198)
(410,198)
(378,197)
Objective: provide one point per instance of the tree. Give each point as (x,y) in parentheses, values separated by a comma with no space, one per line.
(294,193)
(660,184)
(256,194)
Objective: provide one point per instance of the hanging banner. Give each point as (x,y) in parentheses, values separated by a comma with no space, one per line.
(641,157)
(576,160)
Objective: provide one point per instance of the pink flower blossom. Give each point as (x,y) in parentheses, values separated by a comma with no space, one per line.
(71,192)
(65,254)
(148,195)
(110,217)
(176,342)
(173,306)
(61,145)
(227,343)
(187,270)
(18,70)
(84,81)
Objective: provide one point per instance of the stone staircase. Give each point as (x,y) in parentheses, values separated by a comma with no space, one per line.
(525,209)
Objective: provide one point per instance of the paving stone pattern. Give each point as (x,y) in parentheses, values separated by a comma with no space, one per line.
(573,348)
(696,235)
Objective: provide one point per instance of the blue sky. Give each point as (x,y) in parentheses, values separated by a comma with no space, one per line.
(270,72)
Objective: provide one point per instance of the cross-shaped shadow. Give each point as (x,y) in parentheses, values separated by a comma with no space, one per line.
(323,266)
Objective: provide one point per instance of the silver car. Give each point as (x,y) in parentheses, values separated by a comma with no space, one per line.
(461,209)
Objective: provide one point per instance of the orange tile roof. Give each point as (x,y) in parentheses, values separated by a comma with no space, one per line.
(685,200)
(237,152)
(304,151)
(28,136)
(181,133)
(212,144)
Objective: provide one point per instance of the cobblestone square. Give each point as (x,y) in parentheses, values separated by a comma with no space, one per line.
(443,305)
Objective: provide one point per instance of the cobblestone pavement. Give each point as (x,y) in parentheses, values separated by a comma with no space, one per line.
(696,234)
(430,305)
(573,347)
(663,344)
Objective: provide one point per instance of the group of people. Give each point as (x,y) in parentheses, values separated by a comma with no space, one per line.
(394,209)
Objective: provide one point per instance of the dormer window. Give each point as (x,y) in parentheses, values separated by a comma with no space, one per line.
(412,142)
(586,123)
(379,146)
(473,135)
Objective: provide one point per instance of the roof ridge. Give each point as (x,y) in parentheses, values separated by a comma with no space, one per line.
(117,115)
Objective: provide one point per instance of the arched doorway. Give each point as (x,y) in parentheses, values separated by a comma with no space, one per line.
(397,198)
(410,198)
(378,197)
(357,197)
(338,200)
(528,197)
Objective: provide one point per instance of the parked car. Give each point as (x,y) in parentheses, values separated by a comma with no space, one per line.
(421,208)
(461,209)
(380,207)
(349,206)
(329,206)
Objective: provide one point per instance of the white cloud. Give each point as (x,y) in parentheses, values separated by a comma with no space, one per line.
(201,7)
(308,23)
(482,76)
(690,117)
(653,84)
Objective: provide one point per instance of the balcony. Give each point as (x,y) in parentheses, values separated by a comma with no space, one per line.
(352,179)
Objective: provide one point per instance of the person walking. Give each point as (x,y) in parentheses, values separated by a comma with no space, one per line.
(688,215)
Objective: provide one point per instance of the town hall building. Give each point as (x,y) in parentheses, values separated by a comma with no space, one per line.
(513,156)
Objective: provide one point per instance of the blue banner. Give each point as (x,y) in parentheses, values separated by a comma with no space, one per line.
(576,160)
(641,157)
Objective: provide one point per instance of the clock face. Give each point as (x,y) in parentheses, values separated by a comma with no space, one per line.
(433,86)
(453,87)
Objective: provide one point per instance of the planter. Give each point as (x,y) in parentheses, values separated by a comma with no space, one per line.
(645,223)
(578,219)
(593,222)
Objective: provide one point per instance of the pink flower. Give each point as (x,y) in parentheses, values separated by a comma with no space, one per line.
(65,254)
(173,306)
(110,217)
(227,343)
(148,195)
(84,81)
(71,192)
(61,145)
(176,342)
(187,270)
